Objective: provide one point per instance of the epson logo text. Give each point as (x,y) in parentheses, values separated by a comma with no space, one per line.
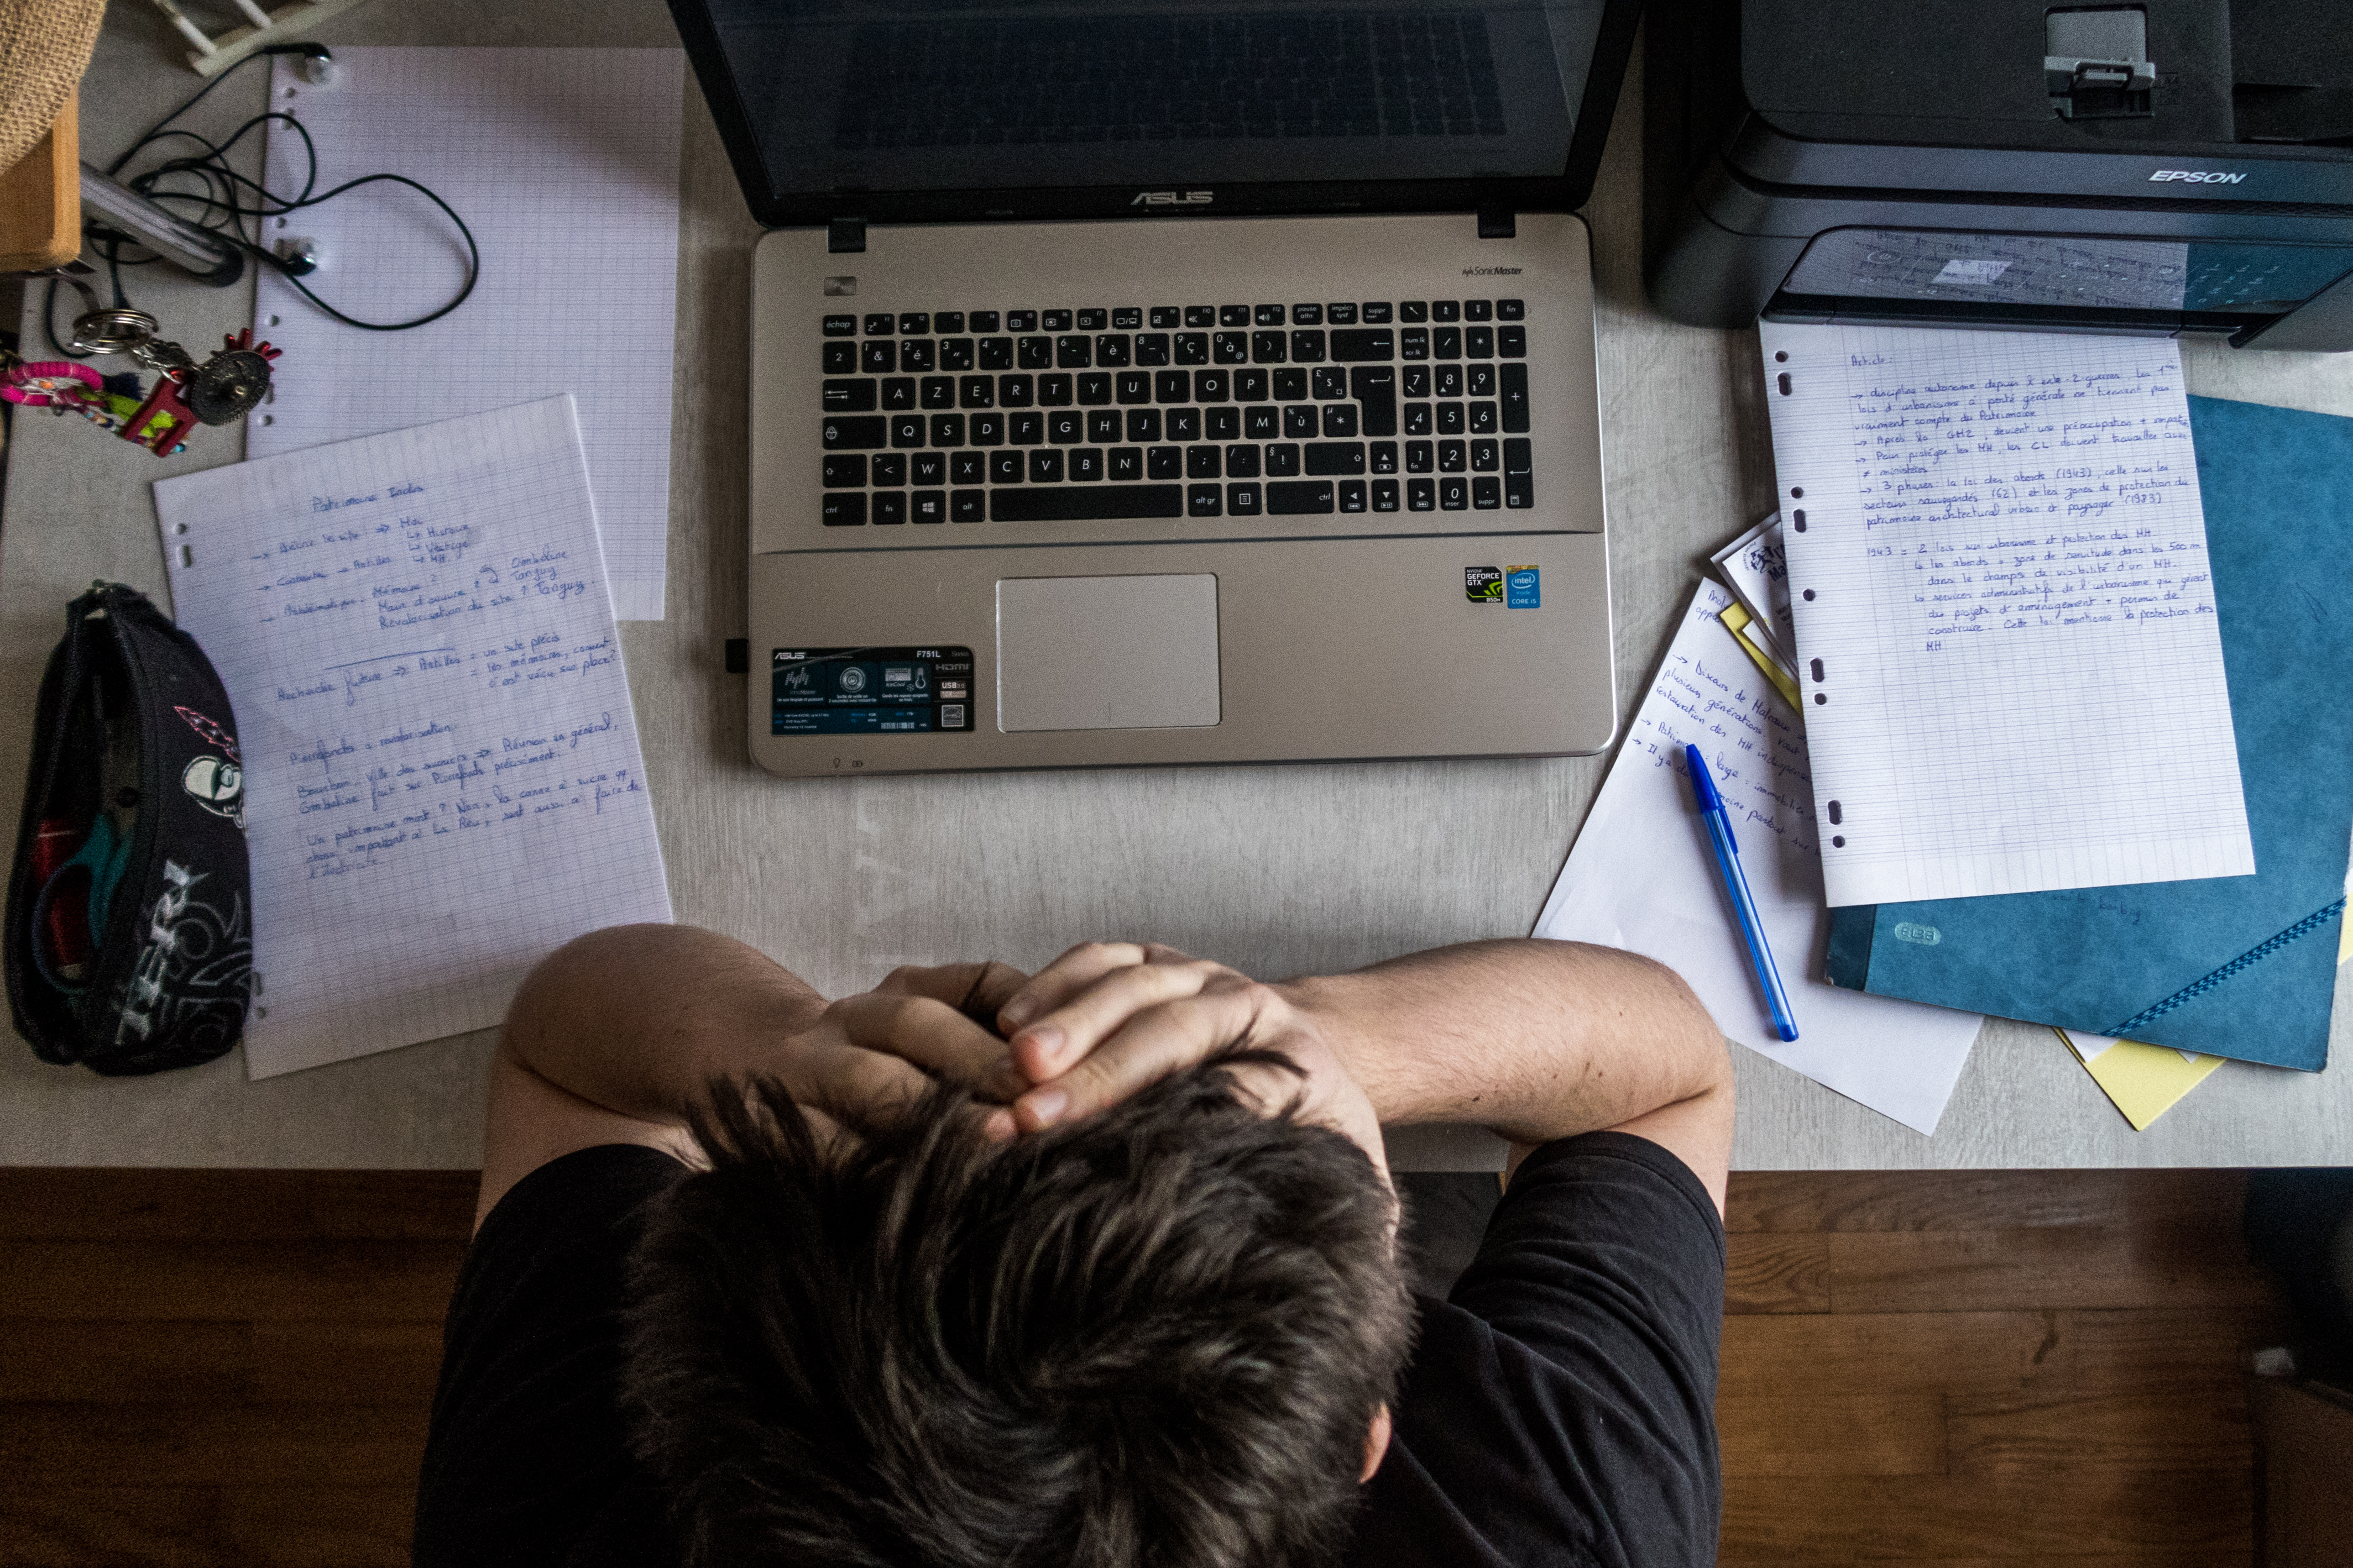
(1173,198)
(2197,176)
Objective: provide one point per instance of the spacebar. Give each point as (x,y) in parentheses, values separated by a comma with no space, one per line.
(1091,504)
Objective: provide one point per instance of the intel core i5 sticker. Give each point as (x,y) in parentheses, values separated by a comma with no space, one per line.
(1482,584)
(1520,588)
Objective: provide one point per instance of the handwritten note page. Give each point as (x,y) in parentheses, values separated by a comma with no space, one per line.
(442,776)
(2005,618)
(564,163)
(1642,877)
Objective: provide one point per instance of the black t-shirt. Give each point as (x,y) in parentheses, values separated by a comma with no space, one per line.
(1559,1408)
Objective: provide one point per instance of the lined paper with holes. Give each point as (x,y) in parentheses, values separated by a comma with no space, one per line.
(443,784)
(565,164)
(2005,618)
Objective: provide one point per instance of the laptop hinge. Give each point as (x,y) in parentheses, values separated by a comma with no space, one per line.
(1498,224)
(846,234)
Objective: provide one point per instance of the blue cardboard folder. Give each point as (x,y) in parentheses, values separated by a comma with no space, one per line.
(2235,966)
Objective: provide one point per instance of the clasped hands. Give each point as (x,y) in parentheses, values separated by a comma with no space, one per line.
(1091,1029)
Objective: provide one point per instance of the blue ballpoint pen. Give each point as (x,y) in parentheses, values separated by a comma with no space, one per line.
(1735,883)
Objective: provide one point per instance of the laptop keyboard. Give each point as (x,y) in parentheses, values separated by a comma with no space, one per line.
(1105,414)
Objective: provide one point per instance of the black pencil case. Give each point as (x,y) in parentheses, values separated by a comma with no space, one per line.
(129,946)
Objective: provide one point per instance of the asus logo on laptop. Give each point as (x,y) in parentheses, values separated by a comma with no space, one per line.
(1173,198)
(2199,176)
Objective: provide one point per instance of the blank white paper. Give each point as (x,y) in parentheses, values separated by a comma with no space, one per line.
(442,777)
(1642,877)
(2005,614)
(565,164)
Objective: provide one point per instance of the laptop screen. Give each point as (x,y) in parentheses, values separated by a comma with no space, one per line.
(843,98)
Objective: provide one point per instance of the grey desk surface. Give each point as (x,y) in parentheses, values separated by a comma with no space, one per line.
(1275,869)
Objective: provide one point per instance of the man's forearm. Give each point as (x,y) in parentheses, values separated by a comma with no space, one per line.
(1534,1039)
(638,1020)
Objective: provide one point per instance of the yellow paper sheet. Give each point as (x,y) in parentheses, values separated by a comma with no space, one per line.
(1736,620)
(2144,1081)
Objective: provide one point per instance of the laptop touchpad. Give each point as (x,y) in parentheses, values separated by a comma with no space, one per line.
(1107,653)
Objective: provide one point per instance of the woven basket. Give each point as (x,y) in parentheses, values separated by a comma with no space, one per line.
(45,45)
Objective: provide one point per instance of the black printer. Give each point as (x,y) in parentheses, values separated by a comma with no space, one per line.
(2163,167)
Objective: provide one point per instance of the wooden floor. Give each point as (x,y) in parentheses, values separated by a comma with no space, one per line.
(1974,1371)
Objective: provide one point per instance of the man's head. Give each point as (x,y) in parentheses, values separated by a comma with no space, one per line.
(1158,1334)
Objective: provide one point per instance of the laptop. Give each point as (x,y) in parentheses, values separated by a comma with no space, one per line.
(1169,383)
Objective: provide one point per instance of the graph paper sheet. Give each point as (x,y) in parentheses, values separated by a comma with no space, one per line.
(565,164)
(442,776)
(1643,877)
(2005,616)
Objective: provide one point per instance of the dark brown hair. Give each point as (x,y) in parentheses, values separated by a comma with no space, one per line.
(1157,1336)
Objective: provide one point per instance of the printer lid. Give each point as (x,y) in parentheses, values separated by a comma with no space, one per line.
(975,109)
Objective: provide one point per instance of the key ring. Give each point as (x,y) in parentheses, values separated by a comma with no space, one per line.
(108,328)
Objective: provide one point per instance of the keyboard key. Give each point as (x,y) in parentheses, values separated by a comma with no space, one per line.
(1134,386)
(1242,501)
(1479,343)
(1027,427)
(1192,347)
(1086,465)
(1516,398)
(1231,316)
(1413,342)
(938,392)
(1510,310)
(1152,347)
(996,354)
(1074,351)
(1518,457)
(1127,463)
(1100,504)
(1104,425)
(1053,320)
(850,433)
(1046,467)
(1450,419)
(1352,495)
(1307,315)
(1021,320)
(1416,419)
(841,326)
(1007,468)
(918,354)
(898,392)
(1202,463)
(1094,320)
(1445,311)
(1420,458)
(1208,387)
(1164,463)
(1420,495)
(1374,388)
(1485,458)
(1094,388)
(1307,347)
(1417,381)
(841,359)
(890,507)
(947,321)
(1376,311)
(1172,386)
(907,430)
(1482,419)
(929,467)
(1263,422)
(1203,501)
(914,324)
(1299,422)
(1512,343)
(1111,350)
(1220,424)
(1477,310)
(1450,381)
(1339,421)
(967,467)
(1290,386)
(1142,425)
(1267,348)
(879,358)
(1483,381)
(1359,344)
(1200,316)
(976,391)
(1164,317)
(1452,458)
(881,324)
(1281,459)
(1486,492)
(1230,348)
(1446,342)
(968,506)
(1385,457)
(987,429)
(1454,494)
(1333,458)
(1519,491)
(947,430)
(1413,310)
(890,470)
(1064,425)
(1329,381)
(848,396)
(1034,352)
(843,508)
(1300,499)
(1126,319)
(1054,391)
(1384,495)
(955,353)
(1267,315)
(982,321)
(1250,386)
(845,469)
(1241,461)
(1341,315)
(1184,425)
